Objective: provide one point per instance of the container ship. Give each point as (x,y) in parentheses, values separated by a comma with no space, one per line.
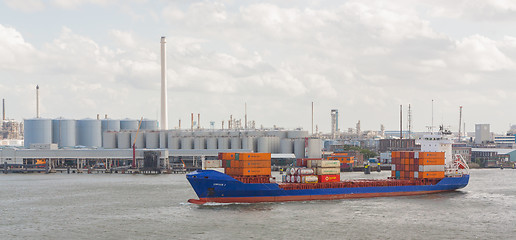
(247,178)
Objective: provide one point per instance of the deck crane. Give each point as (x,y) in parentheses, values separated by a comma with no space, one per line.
(134,143)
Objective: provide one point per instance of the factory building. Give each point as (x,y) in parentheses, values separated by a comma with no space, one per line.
(482,133)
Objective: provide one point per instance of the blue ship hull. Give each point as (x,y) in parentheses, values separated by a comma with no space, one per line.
(213,186)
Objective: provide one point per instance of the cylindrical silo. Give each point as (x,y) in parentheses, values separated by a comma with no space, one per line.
(286,146)
(37,130)
(128,124)
(89,133)
(263,145)
(277,133)
(299,147)
(274,143)
(297,134)
(201,134)
(140,139)
(109,140)
(211,143)
(152,139)
(255,133)
(248,143)
(112,125)
(236,143)
(174,142)
(314,148)
(222,143)
(64,132)
(148,124)
(199,143)
(124,140)
(185,134)
(186,142)
(163,139)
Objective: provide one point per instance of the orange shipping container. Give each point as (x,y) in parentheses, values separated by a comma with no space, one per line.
(253,156)
(411,174)
(329,178)
(226,156)
(248,171)
(431,161)
(251,164)
(427,155)
(431,175)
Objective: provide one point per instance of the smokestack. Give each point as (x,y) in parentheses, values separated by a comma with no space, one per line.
(192,122)
(401,122)
(312,118)
(164,111)
(37,101)
(245,117)
(3,108)
(198,120)
(98,116)
(105,116)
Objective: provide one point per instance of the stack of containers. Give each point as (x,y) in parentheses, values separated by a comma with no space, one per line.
(410,165)
(326,170)
(247,164)
(300,175)
(346,161)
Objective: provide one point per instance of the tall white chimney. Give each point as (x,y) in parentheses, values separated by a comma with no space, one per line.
(37,101)
(164,111)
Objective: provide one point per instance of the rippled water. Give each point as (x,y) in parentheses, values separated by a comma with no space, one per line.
(81,206)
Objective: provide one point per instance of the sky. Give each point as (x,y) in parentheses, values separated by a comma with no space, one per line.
(364,58)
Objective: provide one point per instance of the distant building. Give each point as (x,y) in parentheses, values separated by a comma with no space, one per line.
(508,141)
(388,145)
(482,133)
(492,157)
(462,150)
(334,123)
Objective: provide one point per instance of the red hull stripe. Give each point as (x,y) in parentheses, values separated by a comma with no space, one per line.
(306,197)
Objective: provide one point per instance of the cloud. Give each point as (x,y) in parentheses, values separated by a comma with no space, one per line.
(26,6)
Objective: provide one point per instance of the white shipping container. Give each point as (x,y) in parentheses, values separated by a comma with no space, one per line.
(213,163)
(327,171)
(305,171)
(416,174)
(309,179)
(416,155)
(328,164)
(431,168)
(393,167)
(222,170)
(309,163)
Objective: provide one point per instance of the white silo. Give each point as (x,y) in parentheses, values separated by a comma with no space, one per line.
(37,130)
(297,134)
(128,124)
(89,133)
(299,147)
(249,143)
(222,143)
(174,142)
(140,139)
(286,146)
(112,125)
(152,139)
(163,139)
(124,140)
(148,124)
(109,140)
(64,132)
(211,143)
(199,143)
(236,143)
(186,142)
(314,148)
(264,145)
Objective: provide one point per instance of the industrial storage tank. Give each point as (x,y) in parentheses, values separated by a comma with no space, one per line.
(278,133)
(314,148)
(89,132)
(286,146)
(163,137)
(236,143)
(174,142)
(223,143)
(112,125)
(274,144)
(186,142)
(264,145)
(140,139)
(37,130)
(152,139)
(64,132)
(148,124)
(109,140)
(128,124)
(297,134)
(249,143)
(299,147)
(201,134)
(255,133)
(123,140)
(199,143)
(211,143)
